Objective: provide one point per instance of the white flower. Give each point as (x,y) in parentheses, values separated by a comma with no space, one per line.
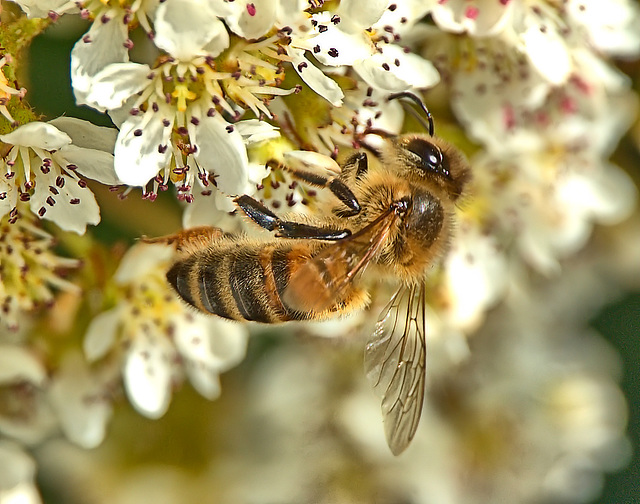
(28,270)
(170,118)
(28,417)
(77,396)
(346,38)
(161,337)
(475,17)
(42,167)
(546,211)
(17,475)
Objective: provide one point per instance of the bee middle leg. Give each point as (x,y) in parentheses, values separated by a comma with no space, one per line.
(265,218)
(335,184)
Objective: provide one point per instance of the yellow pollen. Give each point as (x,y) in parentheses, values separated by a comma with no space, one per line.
(182,94)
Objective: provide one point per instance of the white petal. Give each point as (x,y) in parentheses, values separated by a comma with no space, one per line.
(37,134)
(252,18)
(361,14)
(86,134)
(8,197)
(206,381)
(101,333)
(17,364)
(221,150)
(476,275)
(393,70)
(404,16)
(254,131)
(147,375)
(70,206)
(218,43)
(227,344)
(91,150)
(16,467)
(612,26)
(309,160)
(103,45)
(116,83)
(213,210)
(94,164)
(142,260)
(477,18)
(184,27)
(609,196)
(40,8)
(332,46)
(547,52)
(77,398)
(316,79)
(218,344)
(142,148)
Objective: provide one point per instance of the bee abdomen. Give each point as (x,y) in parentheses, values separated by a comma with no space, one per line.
(238,282)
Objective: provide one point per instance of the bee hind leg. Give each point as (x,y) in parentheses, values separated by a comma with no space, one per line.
(191,239)
(266,219)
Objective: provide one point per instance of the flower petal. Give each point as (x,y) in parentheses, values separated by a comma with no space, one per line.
(184,27)
(147,374)
(101,334)
(116,83)
(141,149)
(40,8)
(322,84)
(17,364)
(142,260)
(65,201)
(221,150)
(8,197)
(77,399)
(91,150)
(37,134)
(361,14)
(394,70)
(252,18)
(254,131)
(547,52)
(103,45)
(85,134)
(16,468)
(332,46)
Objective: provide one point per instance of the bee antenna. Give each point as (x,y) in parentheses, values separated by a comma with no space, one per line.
(428,124)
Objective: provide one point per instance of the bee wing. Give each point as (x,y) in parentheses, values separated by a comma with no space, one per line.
(324,279)
(395,361)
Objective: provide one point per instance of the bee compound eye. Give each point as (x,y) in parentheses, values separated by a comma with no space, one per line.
(430,156)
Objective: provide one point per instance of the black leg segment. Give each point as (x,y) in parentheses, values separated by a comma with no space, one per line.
(266,219)
(334,184)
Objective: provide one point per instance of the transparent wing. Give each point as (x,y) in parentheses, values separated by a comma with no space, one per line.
(395,361)
(324,279)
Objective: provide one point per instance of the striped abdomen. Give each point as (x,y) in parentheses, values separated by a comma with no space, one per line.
(242,281)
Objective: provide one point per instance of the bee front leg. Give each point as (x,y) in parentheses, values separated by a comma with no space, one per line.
(266,219)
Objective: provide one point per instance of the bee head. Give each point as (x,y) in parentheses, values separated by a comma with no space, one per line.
(433,159)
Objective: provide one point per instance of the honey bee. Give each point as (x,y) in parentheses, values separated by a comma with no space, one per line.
(393,216)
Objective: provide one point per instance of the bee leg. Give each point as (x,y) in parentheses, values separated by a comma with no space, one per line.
(335,185)
(265,218)
(188,239)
